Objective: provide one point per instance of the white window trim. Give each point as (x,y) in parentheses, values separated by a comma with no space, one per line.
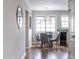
(48,16)
(64,21)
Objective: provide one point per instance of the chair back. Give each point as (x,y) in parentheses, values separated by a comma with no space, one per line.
(44,37)
(49,34)
(37,37)
(58,37)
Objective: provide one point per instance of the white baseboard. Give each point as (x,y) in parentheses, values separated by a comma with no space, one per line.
(25,52)
(23,55)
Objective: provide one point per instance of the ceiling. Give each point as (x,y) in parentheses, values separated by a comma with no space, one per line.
(48,4)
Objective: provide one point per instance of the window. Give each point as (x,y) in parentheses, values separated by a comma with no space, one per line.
(43,24)
(40,24)
(64,21)
(50,24)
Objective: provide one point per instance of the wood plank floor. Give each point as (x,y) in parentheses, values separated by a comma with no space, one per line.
(47,53)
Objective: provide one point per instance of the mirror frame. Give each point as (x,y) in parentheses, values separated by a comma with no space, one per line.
(19,20)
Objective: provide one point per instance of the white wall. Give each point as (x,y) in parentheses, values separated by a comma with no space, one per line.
(13,38)
(28,31)
(47,13)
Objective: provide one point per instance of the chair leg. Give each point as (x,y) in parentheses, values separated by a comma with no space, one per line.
(42,44)
(57,44)
(37,44)
(49,45)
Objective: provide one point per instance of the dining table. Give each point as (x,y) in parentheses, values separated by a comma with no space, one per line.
(51,37)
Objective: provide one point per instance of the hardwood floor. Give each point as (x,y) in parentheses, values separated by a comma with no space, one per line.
(47,53)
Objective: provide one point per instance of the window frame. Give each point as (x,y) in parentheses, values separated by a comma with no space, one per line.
(45,24)
(40,25)
(66,15)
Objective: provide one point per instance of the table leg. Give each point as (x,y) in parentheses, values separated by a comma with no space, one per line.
(51,44)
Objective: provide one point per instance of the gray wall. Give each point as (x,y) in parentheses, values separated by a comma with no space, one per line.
(47,13)
(72,39)
(13,38)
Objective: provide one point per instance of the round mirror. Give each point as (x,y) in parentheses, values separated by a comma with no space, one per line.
(19,17)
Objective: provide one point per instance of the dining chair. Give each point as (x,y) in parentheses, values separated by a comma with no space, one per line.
(37,38)
(44,39)
(49,34)
(57,39)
